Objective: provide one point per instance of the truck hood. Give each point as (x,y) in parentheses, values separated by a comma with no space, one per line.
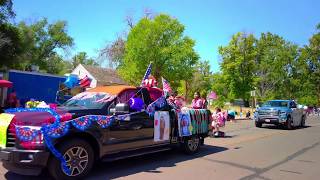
(41,118)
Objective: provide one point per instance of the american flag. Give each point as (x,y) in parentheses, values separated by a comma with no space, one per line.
(85,82)
(147,74)
(166,86)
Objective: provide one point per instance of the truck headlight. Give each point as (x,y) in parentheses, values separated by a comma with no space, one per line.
(283,114)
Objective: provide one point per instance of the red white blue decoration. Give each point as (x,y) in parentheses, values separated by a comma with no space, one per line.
(58,130)
(26,133)
(82,123)
(147,74)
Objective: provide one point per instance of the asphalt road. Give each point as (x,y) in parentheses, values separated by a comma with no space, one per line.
(246,153)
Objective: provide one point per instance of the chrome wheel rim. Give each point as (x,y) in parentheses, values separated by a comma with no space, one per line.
(76,159)
(193,144)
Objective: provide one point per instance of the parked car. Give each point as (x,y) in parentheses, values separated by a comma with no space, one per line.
(280,112)
(132,136)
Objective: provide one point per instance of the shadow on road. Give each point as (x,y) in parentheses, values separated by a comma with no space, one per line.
(278,127)
(148,163)
(12,176)
(121,168)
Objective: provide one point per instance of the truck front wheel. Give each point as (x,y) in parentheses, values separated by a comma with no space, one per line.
(79,156)
(258,124)
(289,123)
(191,145)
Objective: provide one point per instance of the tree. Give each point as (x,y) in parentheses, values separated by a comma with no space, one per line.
(82,58)
(10,45)
(114,52)
(161,41)
(219,86)
(311,56)
(238,60)
(42,40)
(202,79)
(275,67)
(6,11)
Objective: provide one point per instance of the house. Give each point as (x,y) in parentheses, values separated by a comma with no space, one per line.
(100,76)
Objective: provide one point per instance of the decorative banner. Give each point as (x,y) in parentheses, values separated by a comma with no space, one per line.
(200,119)
(184,124)
(161,126)
(5,120)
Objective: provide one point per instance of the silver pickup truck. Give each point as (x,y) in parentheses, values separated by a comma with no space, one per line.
(280,112)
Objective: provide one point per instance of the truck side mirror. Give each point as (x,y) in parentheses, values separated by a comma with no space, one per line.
(122,108)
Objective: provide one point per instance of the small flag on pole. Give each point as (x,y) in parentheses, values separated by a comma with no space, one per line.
(166,86)
(85,82)
(147,74)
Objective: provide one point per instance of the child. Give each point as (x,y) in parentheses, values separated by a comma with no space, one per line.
(218,121)
(197,101)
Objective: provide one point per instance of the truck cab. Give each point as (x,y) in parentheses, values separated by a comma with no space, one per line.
(280,112)
(129,132)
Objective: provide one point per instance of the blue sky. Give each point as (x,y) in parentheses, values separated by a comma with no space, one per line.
(210,23)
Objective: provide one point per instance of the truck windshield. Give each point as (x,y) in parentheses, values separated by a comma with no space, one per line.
(275,104)
(89,100)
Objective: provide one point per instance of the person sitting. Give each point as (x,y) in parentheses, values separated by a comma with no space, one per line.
(218,122)
(197,102)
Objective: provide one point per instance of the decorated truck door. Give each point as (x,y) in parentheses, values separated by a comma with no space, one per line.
(136,130)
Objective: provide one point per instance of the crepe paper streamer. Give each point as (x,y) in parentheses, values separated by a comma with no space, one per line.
(104,123)
(26,133)
(5,120)
(58,130)
(54,151)
(82,123)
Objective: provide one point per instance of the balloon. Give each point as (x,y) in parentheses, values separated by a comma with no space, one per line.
(72,81)
(136,104)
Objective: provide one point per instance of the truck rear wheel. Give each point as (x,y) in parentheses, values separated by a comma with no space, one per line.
(303,121)
(79,156)
(191,145)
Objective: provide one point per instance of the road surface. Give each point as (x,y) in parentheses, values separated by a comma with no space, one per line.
(246,153)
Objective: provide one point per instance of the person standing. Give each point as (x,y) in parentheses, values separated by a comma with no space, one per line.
(13,101)
(197,102)
(204,102)
(218,122)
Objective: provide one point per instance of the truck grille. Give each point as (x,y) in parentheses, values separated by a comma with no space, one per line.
(268,113)
(11,139)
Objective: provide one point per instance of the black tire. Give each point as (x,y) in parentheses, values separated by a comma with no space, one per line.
(78,149)
(289,123)
(258,124)
(303,121)
(191,145)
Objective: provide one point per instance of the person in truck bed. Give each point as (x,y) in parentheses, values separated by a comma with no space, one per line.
(197,102)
